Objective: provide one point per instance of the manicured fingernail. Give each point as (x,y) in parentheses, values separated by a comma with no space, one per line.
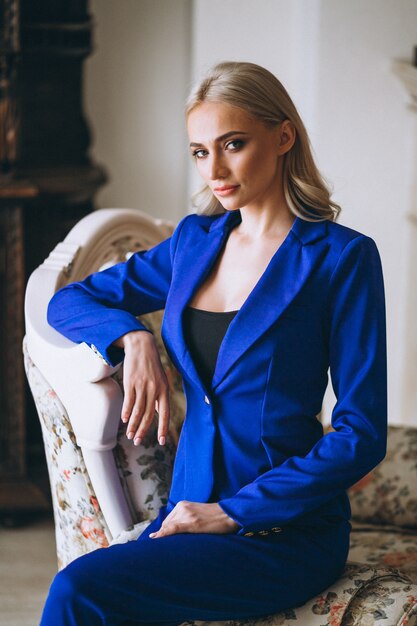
(137,441)
(162,440)
(152,534)
(129,435)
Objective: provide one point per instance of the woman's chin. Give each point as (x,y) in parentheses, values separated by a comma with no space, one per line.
(229,204)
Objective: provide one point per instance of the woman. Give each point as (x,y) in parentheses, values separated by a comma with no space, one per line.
(263,292)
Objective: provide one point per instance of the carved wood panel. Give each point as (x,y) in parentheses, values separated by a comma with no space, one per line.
(12,427)
(47,183)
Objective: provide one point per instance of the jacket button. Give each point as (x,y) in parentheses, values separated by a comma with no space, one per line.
(263,532)
(277,529)
(94,349)
(206,400)
(250,534)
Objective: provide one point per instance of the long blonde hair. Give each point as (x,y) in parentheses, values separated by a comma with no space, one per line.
(257,91)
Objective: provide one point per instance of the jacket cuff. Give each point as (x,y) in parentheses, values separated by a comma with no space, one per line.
(113,355)
(248,530)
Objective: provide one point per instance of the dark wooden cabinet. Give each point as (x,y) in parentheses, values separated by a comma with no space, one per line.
(47,183)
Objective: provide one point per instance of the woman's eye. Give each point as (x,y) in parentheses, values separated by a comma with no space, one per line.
(199,154)
(236,144)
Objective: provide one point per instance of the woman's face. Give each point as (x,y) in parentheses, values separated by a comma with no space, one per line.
(237,156)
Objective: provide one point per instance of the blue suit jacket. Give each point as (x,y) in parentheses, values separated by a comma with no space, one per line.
(252,441)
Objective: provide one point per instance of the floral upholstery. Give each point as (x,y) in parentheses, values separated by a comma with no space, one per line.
(79,524)
(384,601)
(145,470)
(388,494)
(385,546)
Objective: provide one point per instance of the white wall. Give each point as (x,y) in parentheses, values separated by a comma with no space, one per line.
(363,140)
(135,86)
(335,60)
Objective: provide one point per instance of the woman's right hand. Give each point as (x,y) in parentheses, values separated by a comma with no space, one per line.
(145,386)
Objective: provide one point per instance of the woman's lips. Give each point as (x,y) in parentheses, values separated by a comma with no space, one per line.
(226,190)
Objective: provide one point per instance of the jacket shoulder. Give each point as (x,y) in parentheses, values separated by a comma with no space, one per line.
(193,222)
(350,248)
(344,234)
(340,236)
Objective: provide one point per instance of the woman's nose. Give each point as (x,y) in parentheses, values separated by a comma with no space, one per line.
(218,168)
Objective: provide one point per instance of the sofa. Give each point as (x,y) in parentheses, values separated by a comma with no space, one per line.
(105,490)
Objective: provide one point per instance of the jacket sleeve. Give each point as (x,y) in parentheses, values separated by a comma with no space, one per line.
(103,307)
(357,359)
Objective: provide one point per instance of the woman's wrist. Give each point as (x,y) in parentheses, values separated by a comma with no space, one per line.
(132,339)
(229,521)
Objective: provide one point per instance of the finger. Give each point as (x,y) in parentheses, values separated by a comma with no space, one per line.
(146,421)
(166,530)
(128,403)
(170,518)
(163,417)
(136,416)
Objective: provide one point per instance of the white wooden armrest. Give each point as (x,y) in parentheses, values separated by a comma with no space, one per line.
(81,379)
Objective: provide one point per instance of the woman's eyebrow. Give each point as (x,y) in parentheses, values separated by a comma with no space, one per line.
(221,138)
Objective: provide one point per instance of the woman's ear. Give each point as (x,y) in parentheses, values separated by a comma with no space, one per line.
(286,136)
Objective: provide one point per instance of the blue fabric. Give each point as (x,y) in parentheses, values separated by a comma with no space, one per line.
(202,576)
(258,448)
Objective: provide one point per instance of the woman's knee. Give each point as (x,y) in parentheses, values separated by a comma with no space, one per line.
(72,582)
(65,585)
(68,602)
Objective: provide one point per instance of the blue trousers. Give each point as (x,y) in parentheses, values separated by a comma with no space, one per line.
(197,577)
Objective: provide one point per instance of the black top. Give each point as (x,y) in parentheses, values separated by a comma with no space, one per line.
(203,333)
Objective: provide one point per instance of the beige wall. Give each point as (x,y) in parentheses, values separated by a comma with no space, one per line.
(135,86)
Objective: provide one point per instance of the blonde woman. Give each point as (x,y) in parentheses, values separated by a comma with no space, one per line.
(263,294)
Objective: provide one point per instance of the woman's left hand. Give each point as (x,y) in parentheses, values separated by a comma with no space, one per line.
(196,517)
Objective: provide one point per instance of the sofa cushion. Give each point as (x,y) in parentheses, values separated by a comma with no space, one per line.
(388,546)
(388,494)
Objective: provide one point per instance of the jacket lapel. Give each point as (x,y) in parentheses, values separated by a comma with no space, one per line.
(282,280)
(285,275)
